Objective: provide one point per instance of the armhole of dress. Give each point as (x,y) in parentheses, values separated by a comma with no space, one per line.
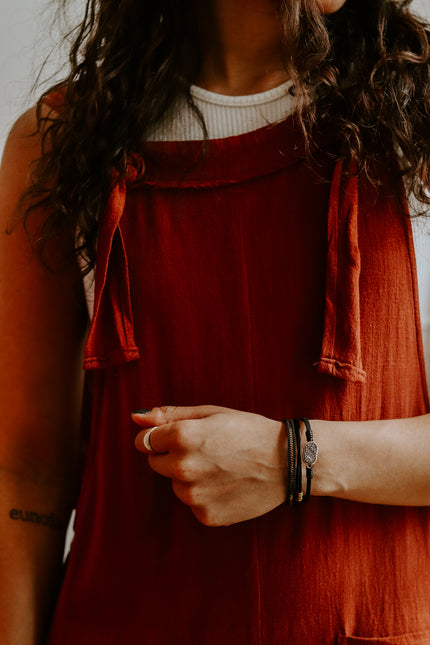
(88,280)
(412,237)
(55,101)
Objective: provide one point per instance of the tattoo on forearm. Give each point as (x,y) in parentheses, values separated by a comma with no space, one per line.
(50,520)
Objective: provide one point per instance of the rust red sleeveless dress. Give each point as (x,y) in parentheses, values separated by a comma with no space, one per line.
(245,279)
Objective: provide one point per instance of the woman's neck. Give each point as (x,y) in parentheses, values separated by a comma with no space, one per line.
(242,46)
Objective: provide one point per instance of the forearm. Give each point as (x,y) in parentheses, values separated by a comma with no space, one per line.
(229,466)
(32,533)
(379,462)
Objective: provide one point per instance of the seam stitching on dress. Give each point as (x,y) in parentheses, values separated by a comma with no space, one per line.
(260,622)
(412,263)
(249,310)
(260,626)
(335,278)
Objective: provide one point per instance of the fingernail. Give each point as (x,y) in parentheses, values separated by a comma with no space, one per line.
(142,411)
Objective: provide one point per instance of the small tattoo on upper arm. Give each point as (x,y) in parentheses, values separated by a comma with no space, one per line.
(48,520)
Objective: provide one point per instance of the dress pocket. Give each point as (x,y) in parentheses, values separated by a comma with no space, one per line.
(421,638)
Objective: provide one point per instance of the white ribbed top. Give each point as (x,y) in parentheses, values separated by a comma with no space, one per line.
(224,116)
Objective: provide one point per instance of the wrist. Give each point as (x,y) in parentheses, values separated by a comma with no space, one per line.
(329,476)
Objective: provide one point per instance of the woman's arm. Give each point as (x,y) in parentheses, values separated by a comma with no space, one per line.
(42,323)
(230,466)
(379,462)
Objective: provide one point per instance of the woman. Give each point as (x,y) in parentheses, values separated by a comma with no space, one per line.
(265,273)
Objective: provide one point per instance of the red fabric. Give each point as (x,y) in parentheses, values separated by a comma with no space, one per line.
(236,277)
(341,347)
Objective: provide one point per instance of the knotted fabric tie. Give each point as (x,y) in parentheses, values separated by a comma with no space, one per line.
(341,345)
(111,338)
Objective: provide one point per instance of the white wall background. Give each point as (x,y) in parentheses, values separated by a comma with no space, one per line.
(26,39)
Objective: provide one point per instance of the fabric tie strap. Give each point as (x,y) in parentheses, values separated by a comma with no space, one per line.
(341,345)
(111,338)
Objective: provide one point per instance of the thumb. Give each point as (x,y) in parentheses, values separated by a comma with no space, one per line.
(171,413)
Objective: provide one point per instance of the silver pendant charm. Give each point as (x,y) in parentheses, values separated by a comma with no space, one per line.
(310,453)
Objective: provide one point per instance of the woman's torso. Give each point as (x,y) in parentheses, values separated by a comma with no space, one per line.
(222,288)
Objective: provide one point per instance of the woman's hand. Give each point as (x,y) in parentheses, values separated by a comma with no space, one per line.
(231,466)
(227,466)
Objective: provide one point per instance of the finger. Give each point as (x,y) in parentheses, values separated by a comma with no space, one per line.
(178,470)
(171,413)
(177,437)
(143,441)
(187,492)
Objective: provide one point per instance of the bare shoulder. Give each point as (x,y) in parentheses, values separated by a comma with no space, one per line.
(26,124)
(22,151)
(22,148)
(24,132)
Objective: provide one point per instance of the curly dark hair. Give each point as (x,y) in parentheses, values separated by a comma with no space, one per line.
(366,68)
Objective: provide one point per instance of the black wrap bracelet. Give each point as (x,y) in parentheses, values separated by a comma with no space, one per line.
(296,455)
(298,496)
(289,428)
(294,485)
